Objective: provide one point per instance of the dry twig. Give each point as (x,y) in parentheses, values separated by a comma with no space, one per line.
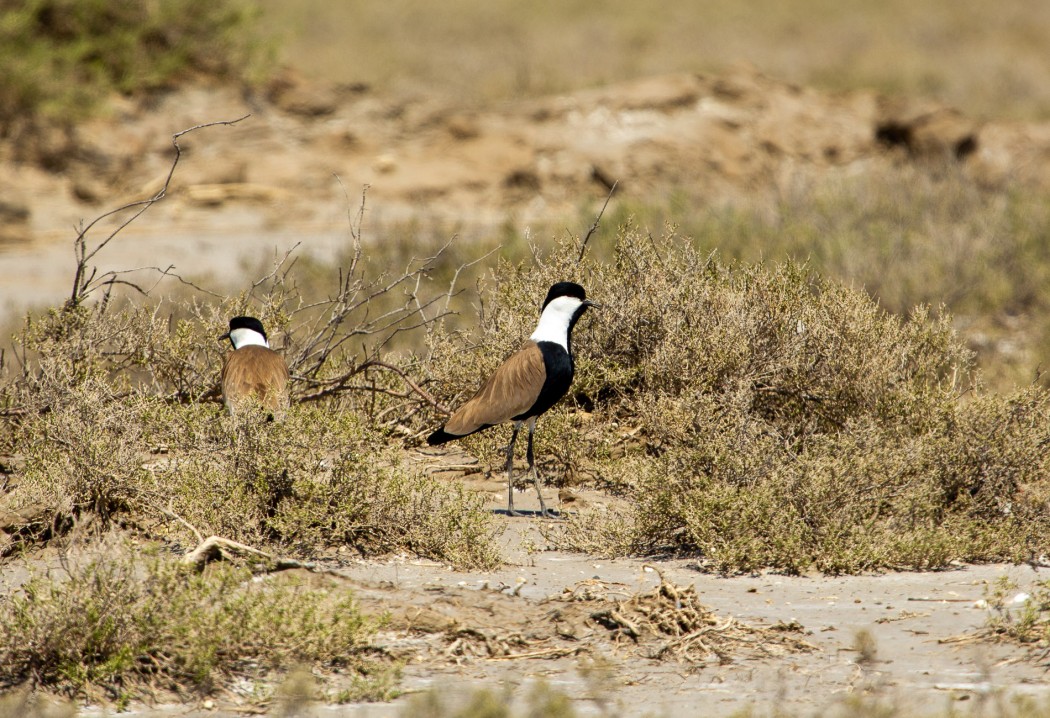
(85,280)
(597,220)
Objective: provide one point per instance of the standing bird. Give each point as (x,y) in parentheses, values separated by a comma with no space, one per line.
(528,383)
(252,369)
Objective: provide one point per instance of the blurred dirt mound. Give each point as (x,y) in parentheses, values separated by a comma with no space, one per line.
(709,139)
(714,138)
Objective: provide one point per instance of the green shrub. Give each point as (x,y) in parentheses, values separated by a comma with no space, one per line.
(60,58)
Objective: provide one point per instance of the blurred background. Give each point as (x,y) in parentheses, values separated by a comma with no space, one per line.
(987,59)
(902,147)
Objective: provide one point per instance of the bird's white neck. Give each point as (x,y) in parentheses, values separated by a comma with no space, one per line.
(244,337)
(556,321)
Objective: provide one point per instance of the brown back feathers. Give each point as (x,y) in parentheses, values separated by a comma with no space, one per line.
(511,390)
(255,371)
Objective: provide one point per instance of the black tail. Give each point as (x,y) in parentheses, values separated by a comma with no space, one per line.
(441,437)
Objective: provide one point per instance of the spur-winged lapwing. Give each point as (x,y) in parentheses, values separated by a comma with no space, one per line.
(527,383)
(253,369)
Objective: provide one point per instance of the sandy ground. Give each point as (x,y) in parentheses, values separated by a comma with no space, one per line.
(908,615)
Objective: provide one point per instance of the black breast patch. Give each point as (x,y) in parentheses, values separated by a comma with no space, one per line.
(558,365)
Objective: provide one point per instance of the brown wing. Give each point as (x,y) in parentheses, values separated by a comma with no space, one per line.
(255,371)
(511,390)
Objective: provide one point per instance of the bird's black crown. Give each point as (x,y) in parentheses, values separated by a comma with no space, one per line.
(247,323)
(564,289)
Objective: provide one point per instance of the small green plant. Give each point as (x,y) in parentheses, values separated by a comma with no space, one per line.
(1016,615)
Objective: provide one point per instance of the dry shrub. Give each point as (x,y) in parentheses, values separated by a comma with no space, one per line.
(316,480)
(320,479)
(909,234)
(82,456)
(119,625)
(772,418)
(111,411)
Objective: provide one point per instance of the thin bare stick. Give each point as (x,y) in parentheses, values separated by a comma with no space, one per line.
(594,227)
(172,515)
(83,285)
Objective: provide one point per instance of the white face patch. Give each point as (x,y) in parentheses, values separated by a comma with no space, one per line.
(244,337)
(555,320)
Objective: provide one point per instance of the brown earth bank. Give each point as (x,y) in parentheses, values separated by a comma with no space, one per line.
(290,171)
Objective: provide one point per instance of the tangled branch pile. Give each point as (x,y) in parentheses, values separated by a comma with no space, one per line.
(667,622)
(682,628)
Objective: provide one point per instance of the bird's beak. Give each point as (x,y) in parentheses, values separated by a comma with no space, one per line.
(589,303)
(223,336)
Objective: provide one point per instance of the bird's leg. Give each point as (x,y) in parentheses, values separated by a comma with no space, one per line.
(510,469)
(532,467)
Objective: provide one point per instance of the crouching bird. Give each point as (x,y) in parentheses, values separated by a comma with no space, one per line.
(253,369)
(527,383)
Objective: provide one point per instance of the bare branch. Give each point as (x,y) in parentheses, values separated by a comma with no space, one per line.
(276,267)
(83,287)
(342,383)
(594,227)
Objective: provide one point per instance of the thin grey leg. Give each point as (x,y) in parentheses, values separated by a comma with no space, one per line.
(510,469)
(532,467)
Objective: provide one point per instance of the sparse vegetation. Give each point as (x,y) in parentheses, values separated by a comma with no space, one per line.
(909,236)
(1018,616)
(119,625)
(747,405)
(755,415)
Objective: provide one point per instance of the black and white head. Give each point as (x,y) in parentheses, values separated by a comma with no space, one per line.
(565,304)
(246,331)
